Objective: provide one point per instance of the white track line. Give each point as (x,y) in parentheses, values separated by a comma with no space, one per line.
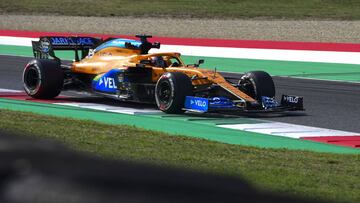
(16,41)
(9,90)
(288,130)
(241,53)
(110,108)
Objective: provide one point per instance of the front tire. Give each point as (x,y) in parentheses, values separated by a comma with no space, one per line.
(257,84)
(171,90)
(43,78)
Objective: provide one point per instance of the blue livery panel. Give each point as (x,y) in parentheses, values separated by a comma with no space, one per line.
(196,103)
(108,82)
(208,104)
(220,102)
(269,103)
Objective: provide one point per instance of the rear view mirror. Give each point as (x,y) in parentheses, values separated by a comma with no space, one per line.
(201,61)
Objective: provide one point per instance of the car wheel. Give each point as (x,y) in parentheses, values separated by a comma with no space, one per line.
(257,84)
(171,90)
(43,79)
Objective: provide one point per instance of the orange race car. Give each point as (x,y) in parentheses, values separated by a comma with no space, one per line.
(124,70)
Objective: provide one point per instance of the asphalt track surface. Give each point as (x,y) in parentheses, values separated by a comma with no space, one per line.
(328,104)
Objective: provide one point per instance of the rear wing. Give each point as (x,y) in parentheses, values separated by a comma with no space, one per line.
(46,45)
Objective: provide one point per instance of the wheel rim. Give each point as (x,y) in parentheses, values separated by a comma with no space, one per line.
(32,78)
(248,86)
(164,92)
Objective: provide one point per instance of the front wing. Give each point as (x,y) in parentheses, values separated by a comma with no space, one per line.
(267,104)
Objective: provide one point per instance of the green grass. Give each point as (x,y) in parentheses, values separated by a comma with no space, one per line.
(297,173)
(293,9)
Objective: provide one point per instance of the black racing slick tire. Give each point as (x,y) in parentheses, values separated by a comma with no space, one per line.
(171,90)
(43,78)
(257,84)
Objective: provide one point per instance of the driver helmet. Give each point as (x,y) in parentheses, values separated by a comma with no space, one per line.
(158,61)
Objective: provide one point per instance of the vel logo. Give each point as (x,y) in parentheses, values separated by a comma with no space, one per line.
(108,82)
(200,103)
(292,99)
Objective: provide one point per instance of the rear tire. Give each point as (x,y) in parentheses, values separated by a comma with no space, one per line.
(171,90)
(43,78)
(257,84)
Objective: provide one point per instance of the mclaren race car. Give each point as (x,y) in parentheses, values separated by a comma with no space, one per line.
(123,69)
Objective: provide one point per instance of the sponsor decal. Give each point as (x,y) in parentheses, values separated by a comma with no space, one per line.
(269,102)
(105,54)
(71,41)
(220,102)
(196,103)
(45,45)
(216,100)
(291,99)
(107,82)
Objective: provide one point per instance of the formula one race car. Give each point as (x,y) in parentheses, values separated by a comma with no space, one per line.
(124,70)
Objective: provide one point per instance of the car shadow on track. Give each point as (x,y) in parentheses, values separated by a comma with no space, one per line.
(247,114)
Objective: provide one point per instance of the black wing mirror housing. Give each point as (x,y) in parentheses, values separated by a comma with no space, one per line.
(201,61)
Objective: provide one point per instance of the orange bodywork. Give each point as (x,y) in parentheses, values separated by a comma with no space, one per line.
(110,58)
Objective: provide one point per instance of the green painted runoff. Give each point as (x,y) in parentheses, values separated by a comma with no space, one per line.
(175,125)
